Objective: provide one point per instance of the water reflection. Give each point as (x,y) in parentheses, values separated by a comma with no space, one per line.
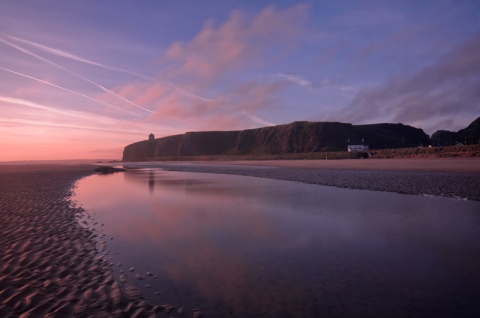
(241,246)
(151,181)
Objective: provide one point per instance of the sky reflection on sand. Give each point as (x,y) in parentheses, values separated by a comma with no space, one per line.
(244,246)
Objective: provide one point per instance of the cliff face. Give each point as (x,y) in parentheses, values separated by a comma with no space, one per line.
(469,135)
(297,137)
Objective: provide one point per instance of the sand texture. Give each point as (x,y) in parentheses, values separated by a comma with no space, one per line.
(50,265)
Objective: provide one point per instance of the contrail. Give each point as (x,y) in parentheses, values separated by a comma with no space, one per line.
(73,73)
(68,90)
(100,122)
(257,119)
(77,58)
(118,69)
(59,125)
(23,102)
(188,94)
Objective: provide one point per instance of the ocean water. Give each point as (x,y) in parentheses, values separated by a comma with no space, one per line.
(235,246)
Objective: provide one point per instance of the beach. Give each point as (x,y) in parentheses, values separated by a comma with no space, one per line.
(459,164)
(50,265)
(53,266)
(446,177)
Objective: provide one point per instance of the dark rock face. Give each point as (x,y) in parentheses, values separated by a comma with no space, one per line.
(442,138)
(108,169)
(380,136)
(297,137)
(469,135)
(205,143)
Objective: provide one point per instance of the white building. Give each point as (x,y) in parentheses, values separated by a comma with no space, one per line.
(357,148)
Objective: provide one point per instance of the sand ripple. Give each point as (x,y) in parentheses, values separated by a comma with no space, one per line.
(49,263)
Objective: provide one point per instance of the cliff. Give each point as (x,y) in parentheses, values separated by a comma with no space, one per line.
(297,137)
(468,136)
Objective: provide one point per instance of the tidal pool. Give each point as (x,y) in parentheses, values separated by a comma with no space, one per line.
(236,246)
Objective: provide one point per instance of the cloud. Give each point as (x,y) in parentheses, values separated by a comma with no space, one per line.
(215,51)
(236,109)
(67,90)
(253,95)
(447,88)
(28,52)
(44,115)
(77,58)
(59,117)
(297,80)
(30,129)
(258,120)
(202,65)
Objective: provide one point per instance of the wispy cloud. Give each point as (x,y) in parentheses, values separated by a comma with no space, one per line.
(63,112)
(68,90)
(65,118)
(258,120)
(53,124)
(28,52)
(190,94)
(202,63)
(449,87)
(297,80)
(77,58)
(230,46)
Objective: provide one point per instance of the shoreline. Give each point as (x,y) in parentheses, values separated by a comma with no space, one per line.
(51,266)
(459,164)
(457,178)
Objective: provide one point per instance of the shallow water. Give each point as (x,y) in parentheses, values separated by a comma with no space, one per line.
(237,246)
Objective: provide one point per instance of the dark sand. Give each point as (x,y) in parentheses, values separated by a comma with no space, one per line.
(50,265)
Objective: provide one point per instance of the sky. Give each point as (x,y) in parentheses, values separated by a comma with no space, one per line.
(83,79)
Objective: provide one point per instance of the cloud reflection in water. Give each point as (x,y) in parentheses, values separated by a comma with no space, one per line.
(252,246)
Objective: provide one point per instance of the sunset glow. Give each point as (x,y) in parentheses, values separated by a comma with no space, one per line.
(83,79)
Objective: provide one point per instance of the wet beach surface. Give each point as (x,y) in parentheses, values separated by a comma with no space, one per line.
(54,266)
(50,266)
(235,246)
(460,185)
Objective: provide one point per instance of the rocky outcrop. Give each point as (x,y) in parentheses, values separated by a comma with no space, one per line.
(297,137)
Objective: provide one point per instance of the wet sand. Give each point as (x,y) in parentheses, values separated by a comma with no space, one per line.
(50,265)
(459,164)
(447,177)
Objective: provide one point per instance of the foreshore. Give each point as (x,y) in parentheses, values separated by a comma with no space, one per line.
(50,266)
(459,164)
(445,177)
